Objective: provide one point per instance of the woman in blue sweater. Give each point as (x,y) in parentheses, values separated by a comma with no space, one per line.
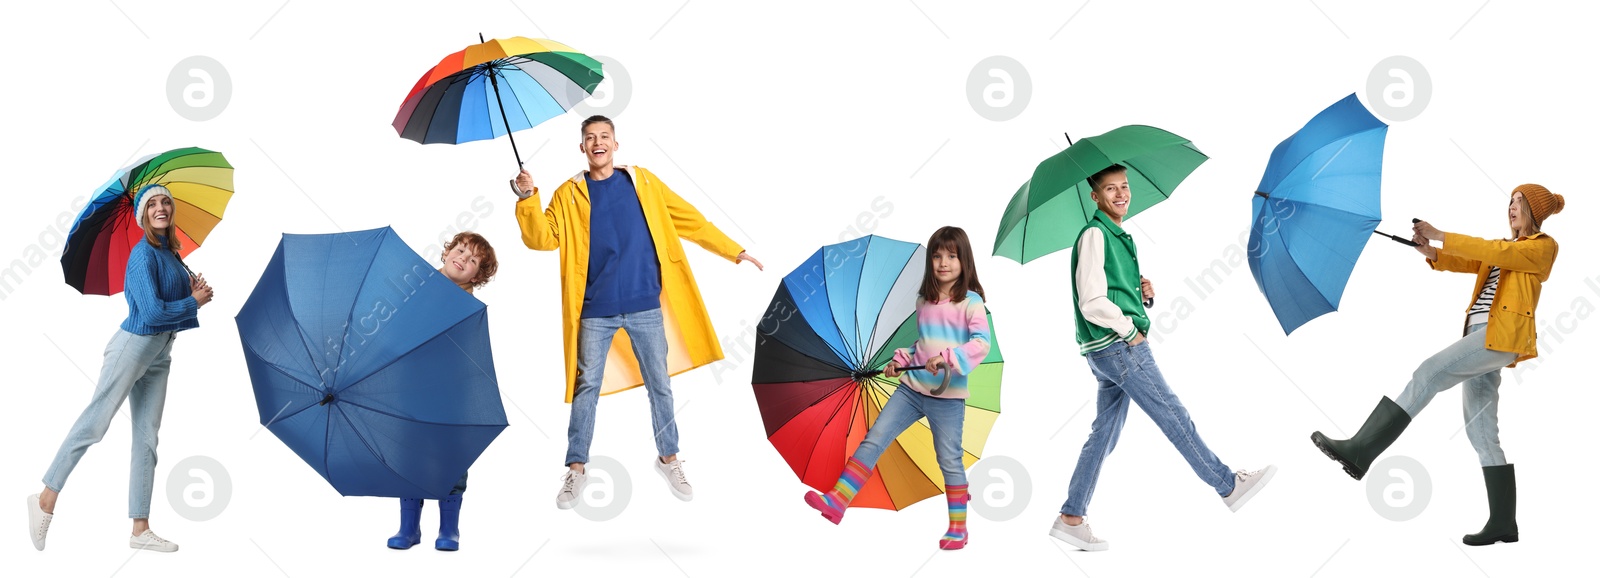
(162,300)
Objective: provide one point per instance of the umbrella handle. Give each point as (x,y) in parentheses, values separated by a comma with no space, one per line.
(937,391)
(1151,302)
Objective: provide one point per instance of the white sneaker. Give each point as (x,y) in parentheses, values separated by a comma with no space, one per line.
(38,522)
(1246,484)
(572,484)
(150,541)
(1079,536)
(672,472)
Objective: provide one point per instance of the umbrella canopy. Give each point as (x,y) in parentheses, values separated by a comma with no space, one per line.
(1315,209)
(95,258)
(829,331)
(1053,206)
(370,364)
(491,89)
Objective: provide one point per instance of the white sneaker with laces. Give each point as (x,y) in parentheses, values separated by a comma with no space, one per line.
(150,541)
(1079,536)
(572,484)
(1246,484)
(38,522)
(672,472)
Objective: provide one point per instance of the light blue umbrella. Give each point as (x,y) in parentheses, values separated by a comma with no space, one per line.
(1315,209)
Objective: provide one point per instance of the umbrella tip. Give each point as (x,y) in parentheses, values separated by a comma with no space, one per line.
(480,37)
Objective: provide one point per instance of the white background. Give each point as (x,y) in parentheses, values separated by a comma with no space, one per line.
(783,124)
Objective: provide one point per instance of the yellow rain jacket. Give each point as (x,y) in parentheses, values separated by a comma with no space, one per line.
(564,225)
(1524,266)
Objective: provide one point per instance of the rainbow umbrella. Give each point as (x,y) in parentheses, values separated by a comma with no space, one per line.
(494,88)
(96,255)
(829,331)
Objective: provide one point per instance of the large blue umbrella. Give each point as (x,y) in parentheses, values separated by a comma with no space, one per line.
(1314,211)
(370,364)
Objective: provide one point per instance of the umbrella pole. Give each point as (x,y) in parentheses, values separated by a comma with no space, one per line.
(503,119)
(1398,239)
(877,372)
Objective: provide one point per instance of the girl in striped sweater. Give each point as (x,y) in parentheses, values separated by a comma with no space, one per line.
(162,300)
(952,340)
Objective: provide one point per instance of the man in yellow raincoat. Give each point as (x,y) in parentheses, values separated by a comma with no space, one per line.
(623,269)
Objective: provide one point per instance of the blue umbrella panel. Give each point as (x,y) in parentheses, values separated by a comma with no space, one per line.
(370,364)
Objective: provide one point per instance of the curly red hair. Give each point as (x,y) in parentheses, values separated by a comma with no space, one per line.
(480,247)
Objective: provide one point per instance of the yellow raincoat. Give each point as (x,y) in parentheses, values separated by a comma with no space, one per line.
(1524,266)
(564,225)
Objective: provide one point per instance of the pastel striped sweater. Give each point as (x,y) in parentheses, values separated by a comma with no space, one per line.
(958,332)
(157,289)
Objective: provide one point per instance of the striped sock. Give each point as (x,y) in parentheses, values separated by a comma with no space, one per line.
(956,536)
(850,481)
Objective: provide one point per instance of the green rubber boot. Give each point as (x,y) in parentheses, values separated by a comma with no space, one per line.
(1501,483)
(1357,453)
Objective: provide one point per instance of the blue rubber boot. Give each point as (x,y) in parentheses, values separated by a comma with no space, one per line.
(410,520)
(449,521)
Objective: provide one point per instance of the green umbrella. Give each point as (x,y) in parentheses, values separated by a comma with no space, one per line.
(1049,211)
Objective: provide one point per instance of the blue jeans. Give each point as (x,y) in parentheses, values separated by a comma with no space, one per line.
(460,487)
(905,407)
(135,369)
(649,337)
(1129,373)
(1465,361)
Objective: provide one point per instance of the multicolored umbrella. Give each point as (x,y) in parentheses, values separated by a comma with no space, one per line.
(370,364)
(96,255)
(491,89)
(1049,211)
(831,328)
(1314,210)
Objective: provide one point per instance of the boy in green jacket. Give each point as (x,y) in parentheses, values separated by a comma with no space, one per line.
(1111,325)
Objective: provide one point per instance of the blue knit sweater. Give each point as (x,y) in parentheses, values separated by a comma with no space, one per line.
(158,293)
(624,276)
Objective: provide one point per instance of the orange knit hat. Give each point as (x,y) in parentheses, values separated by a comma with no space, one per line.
(1543,202)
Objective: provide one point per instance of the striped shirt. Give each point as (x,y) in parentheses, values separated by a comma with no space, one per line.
(1479,313)
(958,332)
